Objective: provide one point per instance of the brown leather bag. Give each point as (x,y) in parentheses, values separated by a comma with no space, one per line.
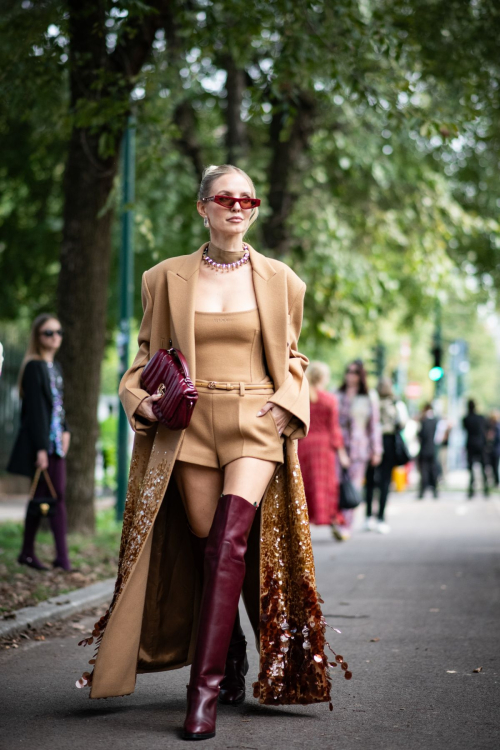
(42,506)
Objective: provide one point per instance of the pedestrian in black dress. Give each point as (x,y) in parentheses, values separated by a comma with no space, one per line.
(44,437)
(493,445)
(475,426)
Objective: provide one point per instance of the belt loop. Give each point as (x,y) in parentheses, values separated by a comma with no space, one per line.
(242,389)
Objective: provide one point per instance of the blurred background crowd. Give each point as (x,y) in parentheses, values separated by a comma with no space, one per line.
(368,439)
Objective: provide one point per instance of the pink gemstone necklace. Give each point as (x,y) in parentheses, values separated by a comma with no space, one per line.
(226,266)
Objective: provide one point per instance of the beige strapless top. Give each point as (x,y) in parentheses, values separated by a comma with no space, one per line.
(229,347)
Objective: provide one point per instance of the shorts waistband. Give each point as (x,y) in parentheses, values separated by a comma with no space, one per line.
(220,385)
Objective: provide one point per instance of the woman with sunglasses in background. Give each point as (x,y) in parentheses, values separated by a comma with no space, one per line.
(194,534)
(43,439)
(361,432)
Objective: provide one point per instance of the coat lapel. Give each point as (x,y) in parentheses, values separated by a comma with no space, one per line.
(271,293)
(181,295)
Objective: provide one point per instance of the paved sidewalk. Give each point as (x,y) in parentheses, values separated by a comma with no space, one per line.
(419,612)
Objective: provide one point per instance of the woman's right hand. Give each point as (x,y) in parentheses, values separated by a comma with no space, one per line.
(42,460)
(344,458)
(145,408)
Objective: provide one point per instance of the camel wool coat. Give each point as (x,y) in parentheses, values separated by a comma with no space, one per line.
(152,622)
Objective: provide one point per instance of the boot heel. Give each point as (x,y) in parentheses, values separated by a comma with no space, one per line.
(197,736)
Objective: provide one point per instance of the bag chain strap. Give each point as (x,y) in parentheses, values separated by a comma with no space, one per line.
(36,479)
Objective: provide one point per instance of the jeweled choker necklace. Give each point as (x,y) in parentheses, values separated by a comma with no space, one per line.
(226,266)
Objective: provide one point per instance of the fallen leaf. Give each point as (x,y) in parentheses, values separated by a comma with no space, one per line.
(374,640)
(478,669)
(39,637)
(451,671)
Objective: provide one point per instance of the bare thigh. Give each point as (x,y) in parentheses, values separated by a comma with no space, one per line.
(200,487)
(248,477)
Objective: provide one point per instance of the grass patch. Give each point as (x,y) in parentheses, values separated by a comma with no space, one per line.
(93,559)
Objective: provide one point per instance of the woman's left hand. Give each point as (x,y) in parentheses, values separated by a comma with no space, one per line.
(281,416)
(376,460)
(66,439)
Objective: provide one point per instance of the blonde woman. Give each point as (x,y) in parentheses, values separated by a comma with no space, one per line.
(190,544)
(44,437)
(318,452)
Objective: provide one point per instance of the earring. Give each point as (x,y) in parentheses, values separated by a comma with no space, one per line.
(205,222)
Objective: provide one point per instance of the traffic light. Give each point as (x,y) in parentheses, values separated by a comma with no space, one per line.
(436,372)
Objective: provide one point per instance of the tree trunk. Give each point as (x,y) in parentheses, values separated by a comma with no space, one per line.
(96,78)
(83,292)
(284,166)
(187,142)
(236,137)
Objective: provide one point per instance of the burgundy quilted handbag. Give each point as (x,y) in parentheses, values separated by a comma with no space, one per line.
(167,373)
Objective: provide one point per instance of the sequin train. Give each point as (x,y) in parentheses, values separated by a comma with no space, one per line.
(293,664)
(141,506)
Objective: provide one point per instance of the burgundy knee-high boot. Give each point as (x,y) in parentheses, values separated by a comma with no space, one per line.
(232,687)
(223,578)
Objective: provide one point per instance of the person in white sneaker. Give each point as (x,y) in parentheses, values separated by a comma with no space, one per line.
(393,417)
(360,425)
(370,524)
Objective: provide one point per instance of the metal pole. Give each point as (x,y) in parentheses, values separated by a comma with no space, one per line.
(438,388)
(126,300)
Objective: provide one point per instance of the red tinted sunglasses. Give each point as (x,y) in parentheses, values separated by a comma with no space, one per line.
(227,201)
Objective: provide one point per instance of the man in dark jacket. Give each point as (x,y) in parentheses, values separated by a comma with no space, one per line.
(475,427)
(427,457)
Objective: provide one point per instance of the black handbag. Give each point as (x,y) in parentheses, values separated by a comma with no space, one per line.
(401,453)
(350,497)
(42,507)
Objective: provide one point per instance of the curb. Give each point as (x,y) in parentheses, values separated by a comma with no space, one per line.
(58,607)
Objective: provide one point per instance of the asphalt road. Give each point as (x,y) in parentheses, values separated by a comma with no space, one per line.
(418,610)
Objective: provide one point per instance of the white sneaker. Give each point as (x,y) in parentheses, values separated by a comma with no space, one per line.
(370,524)
(383,527)
(340,534)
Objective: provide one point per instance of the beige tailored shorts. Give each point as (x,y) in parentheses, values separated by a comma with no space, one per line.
(225,426)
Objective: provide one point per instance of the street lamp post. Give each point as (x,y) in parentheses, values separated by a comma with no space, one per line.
(126,300)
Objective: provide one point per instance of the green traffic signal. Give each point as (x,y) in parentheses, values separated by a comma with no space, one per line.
(436,373)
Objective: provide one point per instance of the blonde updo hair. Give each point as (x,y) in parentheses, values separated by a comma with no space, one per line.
(212,173)
(318,372)
(384,388)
